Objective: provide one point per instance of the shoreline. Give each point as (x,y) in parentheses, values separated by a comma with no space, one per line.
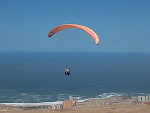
(117,104)
(31,104)
(57,102)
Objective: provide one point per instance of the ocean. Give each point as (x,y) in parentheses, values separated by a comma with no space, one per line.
(35,77)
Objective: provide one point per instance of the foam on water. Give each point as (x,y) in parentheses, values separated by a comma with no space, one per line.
(109,95)
(32,104)
(66,97)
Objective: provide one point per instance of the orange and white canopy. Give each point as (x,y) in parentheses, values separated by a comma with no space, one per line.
(66,26)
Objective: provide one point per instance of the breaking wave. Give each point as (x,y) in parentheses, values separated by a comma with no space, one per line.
(28,99)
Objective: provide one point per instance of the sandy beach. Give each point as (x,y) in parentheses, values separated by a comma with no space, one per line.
(112,105)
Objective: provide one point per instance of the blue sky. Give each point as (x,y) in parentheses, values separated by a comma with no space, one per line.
(122,25)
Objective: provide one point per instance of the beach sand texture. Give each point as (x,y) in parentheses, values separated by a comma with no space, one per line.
(118,109)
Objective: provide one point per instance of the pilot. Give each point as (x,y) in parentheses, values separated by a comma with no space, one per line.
(67,71)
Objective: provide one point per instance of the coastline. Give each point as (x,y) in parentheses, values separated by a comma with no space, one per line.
(31,104)
(116,104)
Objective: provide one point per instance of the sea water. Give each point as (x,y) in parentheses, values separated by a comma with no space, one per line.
(35,77)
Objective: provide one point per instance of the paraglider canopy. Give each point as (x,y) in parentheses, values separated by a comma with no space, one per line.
(66,26)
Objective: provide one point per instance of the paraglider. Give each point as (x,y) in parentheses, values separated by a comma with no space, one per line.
(66,26)
(67,71)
